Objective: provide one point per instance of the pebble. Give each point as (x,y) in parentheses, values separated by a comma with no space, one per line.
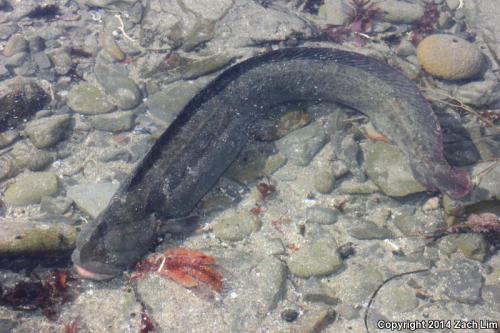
(236,226)
(316,259)
(29,188)
(269,278)
(28,237)
(450,57)
(46,132)
(61,60)
(118,85)
(321,215)
(7,168)
(389,168)
(20,98)
(302,145)
(400,12)
(27,156)
(431,204)
(15,44)
(114,122)
(92,199)
(355,187)
(42,60)
(110,46)
(87,99)
(323,181)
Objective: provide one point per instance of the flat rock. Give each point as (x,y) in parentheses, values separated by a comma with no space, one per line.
(316,259)
(92,199)
(388,167)
(235,227)
(27,237)
(114,122)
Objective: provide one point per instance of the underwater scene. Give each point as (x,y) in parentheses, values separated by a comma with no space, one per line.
(288,166)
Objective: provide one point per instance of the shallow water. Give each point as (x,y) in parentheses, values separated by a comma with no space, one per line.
(319,223)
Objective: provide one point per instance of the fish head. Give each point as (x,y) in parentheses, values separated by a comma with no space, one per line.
(107,246)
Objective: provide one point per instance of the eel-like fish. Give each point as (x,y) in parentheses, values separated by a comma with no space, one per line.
(193,152)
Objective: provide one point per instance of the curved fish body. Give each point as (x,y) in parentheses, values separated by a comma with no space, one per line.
(191,155)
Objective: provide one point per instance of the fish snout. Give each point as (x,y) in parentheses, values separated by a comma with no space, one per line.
(458,185)
(94,270)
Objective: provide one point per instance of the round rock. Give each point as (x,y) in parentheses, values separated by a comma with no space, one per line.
(30,188)
(316,259)
(449,57)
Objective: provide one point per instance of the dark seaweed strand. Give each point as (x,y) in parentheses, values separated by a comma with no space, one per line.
(374,67)
(372,297)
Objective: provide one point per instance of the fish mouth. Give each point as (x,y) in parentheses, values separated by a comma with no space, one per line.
(459,186)
(94,270)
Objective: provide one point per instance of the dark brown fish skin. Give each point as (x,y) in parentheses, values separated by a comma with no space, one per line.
(201,143)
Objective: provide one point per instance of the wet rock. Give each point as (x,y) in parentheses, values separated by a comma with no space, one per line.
(26,156)
(316,259)
(58,205)
(30,188)
(482,17)
(318,292)
(194,68)
(110,46)
(449,57)
(398,299)
(321,215)
(61,60)
(119,154)
(46,132)
(478,93)
(369,230)
(237,226)
(302,145)
(7,325)
(20,98)
(7,168)
(287,123)
(166,104)
(357,283)
(400,12)
(41,60)
(323,181)
(273,164)
(15,44)
(339,169)
(86,99)
(118,85)
(473,246)
(355,187)
(388,167)
(461,282)
(92,199)
(314,321)
(269,278)
(27,237)
(114,122)
(250,164)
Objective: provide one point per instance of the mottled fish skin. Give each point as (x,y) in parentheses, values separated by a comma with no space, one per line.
(191,155)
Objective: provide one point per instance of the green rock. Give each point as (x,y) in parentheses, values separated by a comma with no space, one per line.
(388,167)
(27,237)
(30,188)
(473,246)
(92,199)
(7,168)
(118,85)
(303,144)
(114,122)
(27,156)
(46,132)
(270,280)
(354,187)
(87,99)
(318,292)
(59,205)
(249,165)
(369,230)
(273,164)
(317,259)
(398,299)
(237,226)
(323,181)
